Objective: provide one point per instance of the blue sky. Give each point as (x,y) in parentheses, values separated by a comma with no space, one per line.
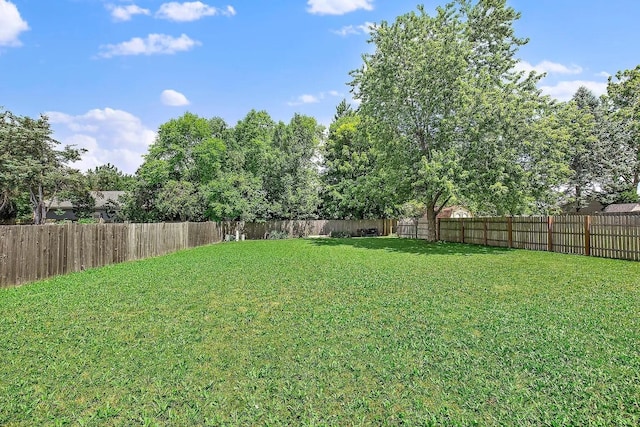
(109,72)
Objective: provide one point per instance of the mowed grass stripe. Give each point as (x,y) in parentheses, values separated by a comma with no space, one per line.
(327,332)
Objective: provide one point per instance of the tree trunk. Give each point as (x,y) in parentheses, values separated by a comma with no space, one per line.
(431,222)
(39,207)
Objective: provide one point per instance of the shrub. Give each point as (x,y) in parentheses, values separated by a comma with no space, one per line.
(277,235)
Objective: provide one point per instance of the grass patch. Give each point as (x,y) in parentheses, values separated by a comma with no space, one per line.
(327,332)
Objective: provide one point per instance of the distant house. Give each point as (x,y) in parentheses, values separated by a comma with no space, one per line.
(623,208)
(106,205)
(455,212)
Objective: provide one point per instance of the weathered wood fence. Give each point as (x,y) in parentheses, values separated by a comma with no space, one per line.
(608,236)
(302,228)
(30,252)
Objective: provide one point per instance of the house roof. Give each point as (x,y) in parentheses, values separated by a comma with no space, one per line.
(101,198)
(623,207)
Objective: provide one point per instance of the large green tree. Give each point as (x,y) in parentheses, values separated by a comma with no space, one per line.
(201,169)
(452,119)
(187,154)
(295,169)
(583,149)
(108,178)
(622,104)
(351,186)
(31,163)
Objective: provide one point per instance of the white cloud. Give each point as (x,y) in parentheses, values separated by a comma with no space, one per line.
(564,91)
(337,7)
(125,13)
(191,11)
(548,67)
(313,99)
(173,98)
(110,136)
(154,44)
(304,99)
(11,24)
(603,74)
(365,28)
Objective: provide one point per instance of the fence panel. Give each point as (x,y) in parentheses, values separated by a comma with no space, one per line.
(608,236)
(498,231)
(451,230)
(406,228)
(568,234)
(474,231)
(616,236)
(530,233)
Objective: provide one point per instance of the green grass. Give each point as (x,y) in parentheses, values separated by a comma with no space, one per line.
(327,332)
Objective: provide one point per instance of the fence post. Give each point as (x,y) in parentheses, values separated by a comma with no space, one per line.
(437,229)
(587,235)
(461,230)
(550,233)
(510,231)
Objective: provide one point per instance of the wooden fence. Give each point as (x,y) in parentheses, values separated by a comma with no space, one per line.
(30,252)
(608,236)
(302,228)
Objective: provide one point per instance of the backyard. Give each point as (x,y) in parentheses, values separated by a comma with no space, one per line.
(371,331)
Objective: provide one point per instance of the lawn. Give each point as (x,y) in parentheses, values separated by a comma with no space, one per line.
(327,332)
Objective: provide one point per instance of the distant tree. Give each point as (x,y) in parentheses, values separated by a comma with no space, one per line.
(31,163)
(177,144)
(235,196)
(186,155)
(202,169)
(352,188)
(180,200)
(108,178)
(585,153)
(253,142)
(622,129)
(343,109)
(297,147)
(78,192)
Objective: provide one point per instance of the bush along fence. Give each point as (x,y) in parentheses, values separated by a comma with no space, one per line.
(607,236)
(34,252)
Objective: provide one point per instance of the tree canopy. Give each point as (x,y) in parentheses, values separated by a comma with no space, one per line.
(442,116)
(31,163)
(201,168)
(450,115)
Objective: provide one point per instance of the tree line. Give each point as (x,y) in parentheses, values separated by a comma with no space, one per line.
(443,116)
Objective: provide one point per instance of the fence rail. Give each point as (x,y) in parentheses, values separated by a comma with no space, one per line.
(33,252)
(607,236)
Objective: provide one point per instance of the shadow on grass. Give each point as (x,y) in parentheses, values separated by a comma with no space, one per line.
(412,246)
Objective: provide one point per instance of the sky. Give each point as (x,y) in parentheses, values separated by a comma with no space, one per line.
(108,73)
